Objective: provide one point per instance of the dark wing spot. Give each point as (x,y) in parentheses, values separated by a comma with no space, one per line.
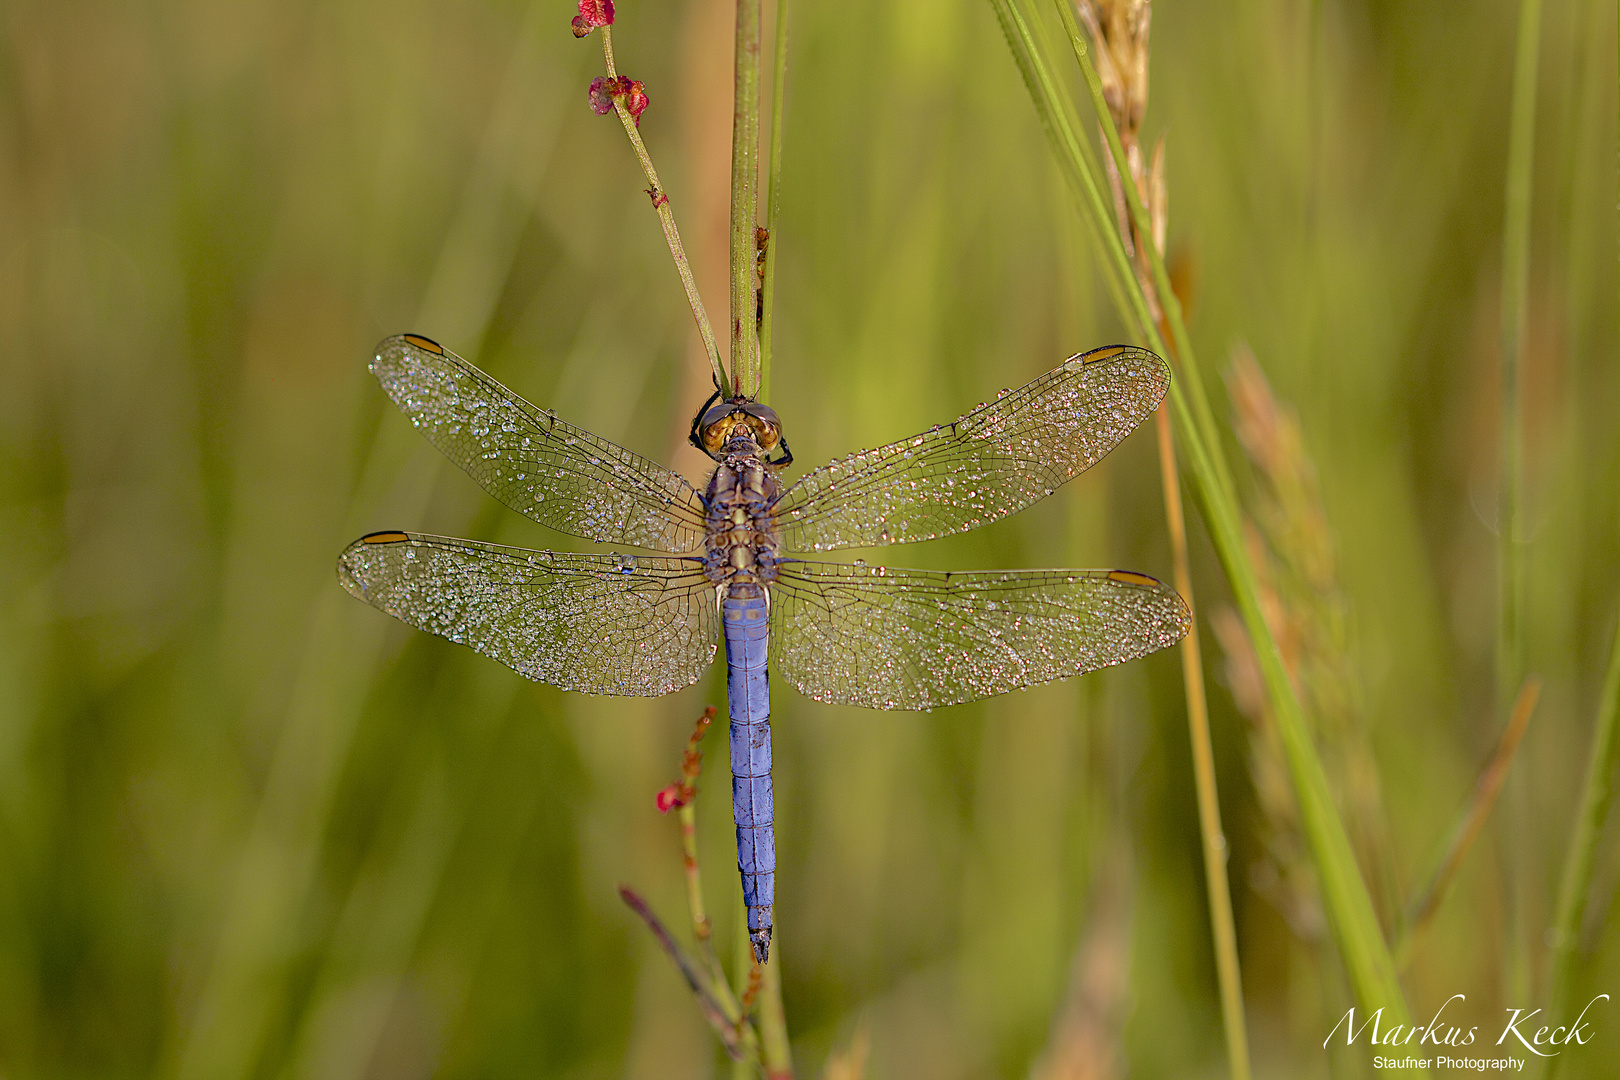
(425,343)
(1107,352)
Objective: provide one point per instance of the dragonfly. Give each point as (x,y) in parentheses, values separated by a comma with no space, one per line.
(728,566)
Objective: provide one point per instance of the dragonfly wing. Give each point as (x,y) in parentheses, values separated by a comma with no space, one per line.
(601,624)
(992,462)
(555,473)
(918,639)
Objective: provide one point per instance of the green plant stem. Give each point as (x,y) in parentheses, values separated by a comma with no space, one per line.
(1596,795)
(694,881)
(747,354)
(744,201)
(666,217)
(702,927)
(1345,897)
(773,199)
(774,1052)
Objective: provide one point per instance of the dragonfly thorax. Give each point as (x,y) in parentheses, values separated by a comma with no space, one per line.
(741,546)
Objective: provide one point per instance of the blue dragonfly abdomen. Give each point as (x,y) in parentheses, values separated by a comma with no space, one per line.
(748,693)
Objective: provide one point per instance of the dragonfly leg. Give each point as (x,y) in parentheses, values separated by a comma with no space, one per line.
(752,801)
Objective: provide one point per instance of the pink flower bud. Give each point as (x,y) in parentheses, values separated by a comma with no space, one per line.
(670,798)
(602,89)
(635,98)
(592,13)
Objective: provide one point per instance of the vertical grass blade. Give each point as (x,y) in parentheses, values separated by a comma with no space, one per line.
(773,201)
(745,199)
(747,352)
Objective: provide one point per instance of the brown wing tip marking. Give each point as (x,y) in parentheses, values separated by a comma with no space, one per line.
(394,537)
(421,342)
(1107,352)
(1131,577)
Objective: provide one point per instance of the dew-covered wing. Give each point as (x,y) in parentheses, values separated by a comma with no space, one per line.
(557,474)
(633,626)
(918,639)
(992,462)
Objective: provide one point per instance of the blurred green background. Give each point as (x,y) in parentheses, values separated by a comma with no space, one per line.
(250,827)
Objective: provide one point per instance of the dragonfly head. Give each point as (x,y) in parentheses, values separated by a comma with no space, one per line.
(716,426)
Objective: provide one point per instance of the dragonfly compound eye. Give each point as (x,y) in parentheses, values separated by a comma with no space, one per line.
(767,434)
(715,427)
(764,423)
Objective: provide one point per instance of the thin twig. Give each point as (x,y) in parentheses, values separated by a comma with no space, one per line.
(683,794)
(666,216)
(735,1032)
